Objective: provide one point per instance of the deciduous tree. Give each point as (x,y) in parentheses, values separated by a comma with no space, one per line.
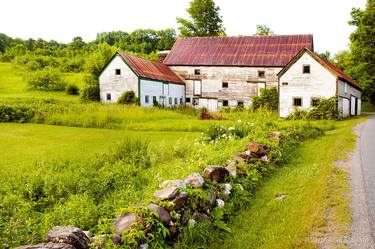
(263,29)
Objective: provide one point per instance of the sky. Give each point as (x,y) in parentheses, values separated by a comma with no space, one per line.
(61,20)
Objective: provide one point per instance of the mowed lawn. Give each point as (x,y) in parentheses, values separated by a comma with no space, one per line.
(13,85)
(25,144)
(316,200)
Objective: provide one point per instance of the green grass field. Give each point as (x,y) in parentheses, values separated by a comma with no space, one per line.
(12,84)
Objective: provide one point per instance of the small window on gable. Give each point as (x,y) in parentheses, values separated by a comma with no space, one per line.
(197,71)
(297,101)
(188,100)
(118,71)
(285,83)
(147,99)
(261,74)
(314,101)
(108,97)
(306,69)
(225,84)
(225,103)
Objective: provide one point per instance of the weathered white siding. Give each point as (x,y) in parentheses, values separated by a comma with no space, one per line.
(345,93)
(162,91)
(243,83)
(319,83)
(110,83)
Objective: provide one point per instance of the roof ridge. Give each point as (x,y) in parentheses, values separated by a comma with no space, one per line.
(239,36)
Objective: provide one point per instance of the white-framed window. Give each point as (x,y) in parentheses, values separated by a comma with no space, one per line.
(187,100)
(197,71)
(175,101)
(261,74)
(285,83)
(170,100)
(314,101)
(225,84)
(346,87)
(225,102)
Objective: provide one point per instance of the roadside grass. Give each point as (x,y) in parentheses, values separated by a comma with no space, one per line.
(317,203)
(13,86)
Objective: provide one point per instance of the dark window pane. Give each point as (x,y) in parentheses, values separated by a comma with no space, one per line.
(118,71)
(306,69)
(188,100)
(225,102)
(297,101)
(109,97)
(147,99)
(197,72)
(261,74)
(225,84)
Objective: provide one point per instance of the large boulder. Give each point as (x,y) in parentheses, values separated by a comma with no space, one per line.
(166,193)
(125,222)
(194,180)
(68,235)
(257,149)
(49,245)
(163,215)
(180,200)
(215,173)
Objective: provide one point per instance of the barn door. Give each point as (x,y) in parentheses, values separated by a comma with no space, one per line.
(197,87)
(353,106)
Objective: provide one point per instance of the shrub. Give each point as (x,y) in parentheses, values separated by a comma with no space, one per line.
(91,93)
(47,79)
(72,90)
(325,110)
(268,98)
(20,114)
(128,98)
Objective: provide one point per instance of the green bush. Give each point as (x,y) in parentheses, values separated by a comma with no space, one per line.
(325,110)
(91,93)
(47,79)
(268,99)
(72,90)
(20,114)
(128,98)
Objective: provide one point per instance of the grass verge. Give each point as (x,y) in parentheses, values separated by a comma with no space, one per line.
(316,204)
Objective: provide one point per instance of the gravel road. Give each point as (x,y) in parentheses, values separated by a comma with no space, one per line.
(362,169)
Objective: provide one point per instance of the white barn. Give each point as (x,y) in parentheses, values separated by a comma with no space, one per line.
(230,71)
(151,81)
(308,77)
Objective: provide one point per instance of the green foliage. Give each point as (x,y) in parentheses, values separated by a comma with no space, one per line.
(128,98)
(97,60)
(21,114)
(47,79)
(268,99)
(325,110)
(262,29)
(91,93)
(205,20)
(362,60)
(72,90)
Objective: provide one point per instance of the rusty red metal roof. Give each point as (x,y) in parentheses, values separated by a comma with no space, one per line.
(270,51)
(150,69)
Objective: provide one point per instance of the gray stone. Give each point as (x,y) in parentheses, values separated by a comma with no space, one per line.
(180,200)
(227,189)
(166,193)
(174,183)
(220,203)
(163,215)
(143,246)
(211,200)
(68,235)
(125,222)
(232,168)
(215,173)
(116,239)
(194,180)
(49,245)
(264,158)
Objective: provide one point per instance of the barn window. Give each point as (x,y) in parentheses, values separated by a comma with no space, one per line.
(314,101)
(170,100)
(108,97)
(306,69)
(285,83)
(297,101)
(147,99)
(197,71)
(225,84)
(346,87)
(175,101)
(118,71)
(240,104)
(154,100)
(225,103)
(195,101)
(261,74)
(181,101)
(187,100)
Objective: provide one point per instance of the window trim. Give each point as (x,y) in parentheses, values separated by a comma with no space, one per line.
(293,101)
(306,66)
(175,101)
(170,101)
(200,92)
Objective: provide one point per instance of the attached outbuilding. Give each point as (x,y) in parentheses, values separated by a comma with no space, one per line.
(308,78)
(151,81)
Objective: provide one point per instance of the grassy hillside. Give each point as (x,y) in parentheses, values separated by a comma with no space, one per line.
(13,85)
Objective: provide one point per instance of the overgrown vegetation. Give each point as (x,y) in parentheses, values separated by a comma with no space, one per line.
(268,99)
(326,109)
(47,79)
(128,98)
